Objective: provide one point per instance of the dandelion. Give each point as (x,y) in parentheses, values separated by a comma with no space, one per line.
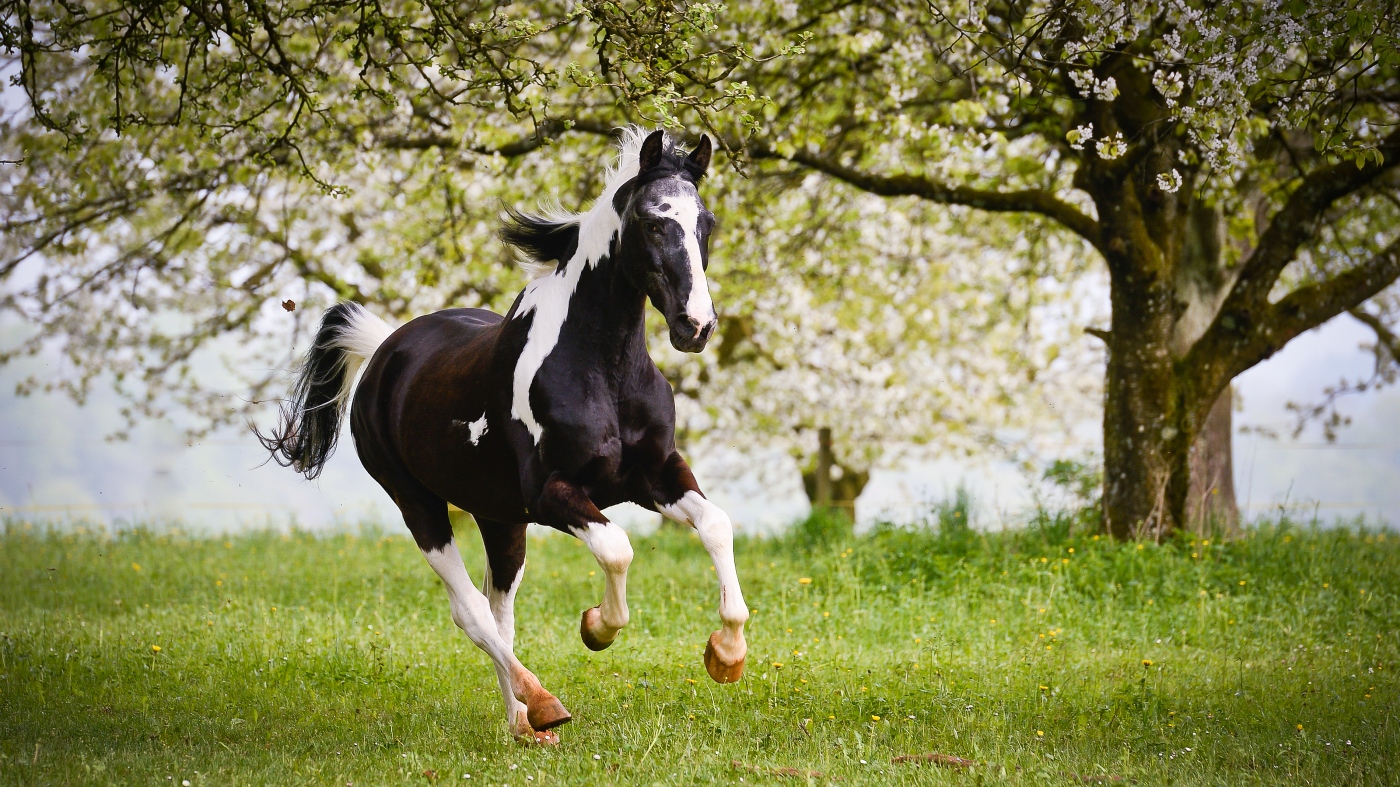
(804,581)
(1241,582)
(1147,662)
(591,573)
(691,681)
(777,665)
(155,648)
(1040,733)
(135,566)
(1300,728)
(877,718)
(833,718)
(1044,688)
(994,621)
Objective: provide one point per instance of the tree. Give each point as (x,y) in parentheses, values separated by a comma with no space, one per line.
(181,169)
(1231,163)
(223,164)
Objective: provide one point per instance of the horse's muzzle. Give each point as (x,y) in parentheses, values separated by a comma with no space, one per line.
(690,336)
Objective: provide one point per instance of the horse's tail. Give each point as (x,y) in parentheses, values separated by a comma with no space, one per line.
(310,420)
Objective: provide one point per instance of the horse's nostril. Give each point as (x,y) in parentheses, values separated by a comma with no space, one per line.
(708,330)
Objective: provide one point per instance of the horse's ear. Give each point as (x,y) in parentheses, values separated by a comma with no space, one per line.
(698,162)
(650,154)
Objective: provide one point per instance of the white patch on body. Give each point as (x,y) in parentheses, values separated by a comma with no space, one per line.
(684,209)
(477,428)
(547,297)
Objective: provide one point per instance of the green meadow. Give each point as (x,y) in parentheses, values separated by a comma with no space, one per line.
(1034,656)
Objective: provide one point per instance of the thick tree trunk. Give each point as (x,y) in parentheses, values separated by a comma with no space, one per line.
(1210,497)
(1139,434)
(1165,468)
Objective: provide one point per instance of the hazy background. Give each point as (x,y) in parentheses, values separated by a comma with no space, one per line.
(56,463)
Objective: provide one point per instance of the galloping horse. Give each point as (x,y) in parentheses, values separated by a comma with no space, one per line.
(545,415)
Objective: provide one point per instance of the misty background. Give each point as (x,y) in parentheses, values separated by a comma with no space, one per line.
(57,462)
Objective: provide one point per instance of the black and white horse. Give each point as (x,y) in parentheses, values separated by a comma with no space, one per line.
(545,415)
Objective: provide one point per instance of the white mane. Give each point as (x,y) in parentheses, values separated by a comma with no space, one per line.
(622,169)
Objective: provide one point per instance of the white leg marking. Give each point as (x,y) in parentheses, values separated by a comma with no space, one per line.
(472,613)
(503,611)
(613,551)
(717,534)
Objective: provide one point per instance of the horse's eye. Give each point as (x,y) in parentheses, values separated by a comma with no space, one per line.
(653,228)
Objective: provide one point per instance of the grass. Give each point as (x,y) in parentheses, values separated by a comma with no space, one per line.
(1046,658)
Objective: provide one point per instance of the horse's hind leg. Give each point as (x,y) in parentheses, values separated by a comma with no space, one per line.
(426,517)
(564,504)
(505,567)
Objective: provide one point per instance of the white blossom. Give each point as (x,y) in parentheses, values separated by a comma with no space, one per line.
(1112,148)
(1078,136)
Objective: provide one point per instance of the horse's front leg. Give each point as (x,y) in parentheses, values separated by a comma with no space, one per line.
(564,505)
(679,497)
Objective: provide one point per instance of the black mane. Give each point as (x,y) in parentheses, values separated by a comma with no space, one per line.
(541,239)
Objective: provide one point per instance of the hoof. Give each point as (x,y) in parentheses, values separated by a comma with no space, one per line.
(719,671)
(528,736)
(546,713)
(593,621)
(539,738)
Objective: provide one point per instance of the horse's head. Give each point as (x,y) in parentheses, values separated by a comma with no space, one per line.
(665,241)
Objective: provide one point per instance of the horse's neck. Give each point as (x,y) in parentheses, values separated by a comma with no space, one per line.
(606,324)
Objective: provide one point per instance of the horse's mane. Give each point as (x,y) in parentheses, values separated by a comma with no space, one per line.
(550,237)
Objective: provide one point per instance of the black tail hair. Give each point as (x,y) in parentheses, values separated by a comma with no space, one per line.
(310,417)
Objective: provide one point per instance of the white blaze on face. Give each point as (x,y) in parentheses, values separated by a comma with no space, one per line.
(683,207)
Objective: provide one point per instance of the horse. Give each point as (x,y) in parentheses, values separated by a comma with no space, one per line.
(545,415)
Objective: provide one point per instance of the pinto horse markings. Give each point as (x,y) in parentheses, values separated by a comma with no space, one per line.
(546,415)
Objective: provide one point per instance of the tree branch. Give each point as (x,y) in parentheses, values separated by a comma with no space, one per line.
(1038,201)
(1297,222)
(546,131)
(1386,339)
(1222,354)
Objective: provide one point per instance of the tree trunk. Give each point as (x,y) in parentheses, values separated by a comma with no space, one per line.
(1210,499)
(1139,433)
(824,462)
(1163,468)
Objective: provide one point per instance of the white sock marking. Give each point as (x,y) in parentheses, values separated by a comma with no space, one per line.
(613,551)
(717,535)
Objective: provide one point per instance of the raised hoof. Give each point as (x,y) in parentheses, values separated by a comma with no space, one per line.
(546,713)
(593,621)
(719,671)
